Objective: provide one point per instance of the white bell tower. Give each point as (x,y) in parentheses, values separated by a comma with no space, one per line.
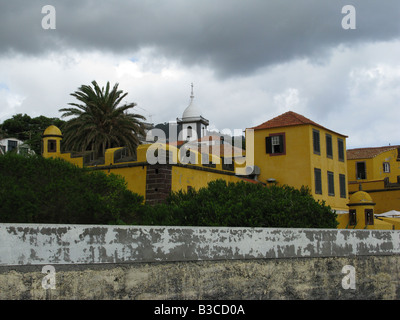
(193,124)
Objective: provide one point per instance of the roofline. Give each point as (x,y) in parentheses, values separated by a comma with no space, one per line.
(389,148)
(200,119)
(302,124)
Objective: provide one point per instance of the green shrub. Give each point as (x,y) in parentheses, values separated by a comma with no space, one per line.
(241,204)
(38,190)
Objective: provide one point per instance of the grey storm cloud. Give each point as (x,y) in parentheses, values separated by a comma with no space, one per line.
(233,37)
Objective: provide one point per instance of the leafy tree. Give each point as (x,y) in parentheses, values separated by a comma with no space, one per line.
(38,190)
(241,204)
(99,122)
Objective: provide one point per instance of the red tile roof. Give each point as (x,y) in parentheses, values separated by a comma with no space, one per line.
(287,119)
(368,153)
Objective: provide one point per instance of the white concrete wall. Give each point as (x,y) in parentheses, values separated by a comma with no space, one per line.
(37,244)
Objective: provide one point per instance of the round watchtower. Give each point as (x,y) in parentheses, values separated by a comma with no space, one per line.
(51,140)
(361,210)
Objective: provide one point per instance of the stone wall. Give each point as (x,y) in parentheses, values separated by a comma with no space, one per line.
(158,183)
(125,262)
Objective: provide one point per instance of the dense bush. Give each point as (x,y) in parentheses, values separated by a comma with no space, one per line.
(38,190)
(241,204)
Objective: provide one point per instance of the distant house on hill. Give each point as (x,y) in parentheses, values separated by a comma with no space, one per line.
(11,144)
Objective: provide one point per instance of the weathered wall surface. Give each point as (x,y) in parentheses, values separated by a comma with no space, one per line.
(377,277)
(125,262)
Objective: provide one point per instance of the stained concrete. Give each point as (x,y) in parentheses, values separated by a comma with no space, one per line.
(70,244)
(377,277)
(132,262)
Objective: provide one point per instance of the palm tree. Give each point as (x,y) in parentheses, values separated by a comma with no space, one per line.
(99,122)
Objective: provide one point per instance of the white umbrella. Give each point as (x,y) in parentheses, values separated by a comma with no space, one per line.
(389,214)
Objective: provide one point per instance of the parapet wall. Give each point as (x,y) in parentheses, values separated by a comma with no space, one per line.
(139,262)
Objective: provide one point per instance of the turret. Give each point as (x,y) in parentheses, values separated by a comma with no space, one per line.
(52,137)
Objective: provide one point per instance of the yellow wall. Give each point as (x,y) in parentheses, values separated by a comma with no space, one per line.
(351,169)
(379,224)
(366,185)
(78,161)
(182,178)
(296,167)
(395,222)
(326,164)
(292,168)
(386,200)
(134,176)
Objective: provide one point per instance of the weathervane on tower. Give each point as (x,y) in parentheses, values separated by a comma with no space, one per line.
(191,93)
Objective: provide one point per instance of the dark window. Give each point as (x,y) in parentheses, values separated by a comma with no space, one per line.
(361,170)
(12,145)
(352,217)
(316,144)
(342,183)
(369,217)
(275,144)
(341,149)
(331,184)
(329,152)
(228,164)
(318,181)
(189,133)
(386,167)
(52,146)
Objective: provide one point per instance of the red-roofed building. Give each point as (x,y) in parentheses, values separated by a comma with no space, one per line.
(294,150)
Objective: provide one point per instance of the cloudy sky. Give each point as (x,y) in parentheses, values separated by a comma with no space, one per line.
(249,60)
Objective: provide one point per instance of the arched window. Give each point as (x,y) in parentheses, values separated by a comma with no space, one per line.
(189,132)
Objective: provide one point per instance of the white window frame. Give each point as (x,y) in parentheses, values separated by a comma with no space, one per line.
(386,167)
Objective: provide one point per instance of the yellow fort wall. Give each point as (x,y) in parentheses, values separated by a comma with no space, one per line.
(184,178)
(135,177)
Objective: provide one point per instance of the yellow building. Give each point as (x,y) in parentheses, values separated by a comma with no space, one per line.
(289,149)
(377,171)
(293,150)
